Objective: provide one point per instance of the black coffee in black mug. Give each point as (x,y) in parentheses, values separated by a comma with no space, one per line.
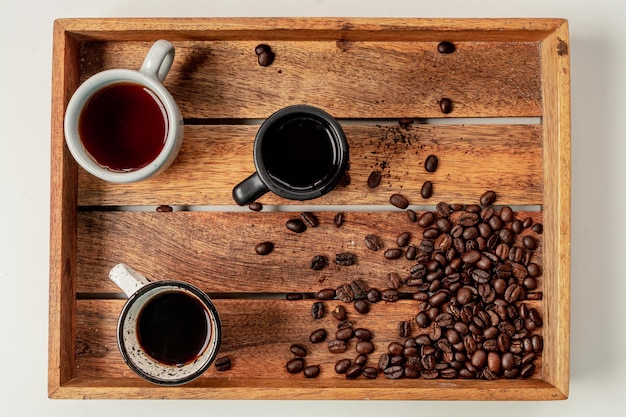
(300,153)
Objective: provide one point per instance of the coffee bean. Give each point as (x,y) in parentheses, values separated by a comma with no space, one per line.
(266,58)
(310,219)
(370,372)
(337,346)
(361,306)
(293,296)
(345,259)
(445,104)
(345,179)
(427,190)
(353,371)
(312,371)
(363,334)
(364,347)
(446,47)
(443,210)
(339,313)
(479,358)
(264,248)
(411,253)
(393,253)
(412,215)
(338,220)
(444,320)
(164,208)
(373,295)
(529,242)
(298,350)
(426,219)
(295,225)
(537,343)
(431,163)
(255,206)
(390,295)
(534,271)
(344,334)
(359,288)
(222,364)
(488,198)
(318,310)
(325,294)
(399,201)
(318,336)
(373,242)
(393,280)
(345,293)
(404,329)
(373,180)
(537,228)
(394,372)
(295,365)
(422,320)
(344,324)
(318,262)
(403,239)
(342,366)
(259,49)
(516,226)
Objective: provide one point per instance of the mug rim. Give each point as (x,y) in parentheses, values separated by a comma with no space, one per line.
(211,349)
(339,141)
(107,78)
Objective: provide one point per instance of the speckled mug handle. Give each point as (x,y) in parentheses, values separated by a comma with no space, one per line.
(127,279)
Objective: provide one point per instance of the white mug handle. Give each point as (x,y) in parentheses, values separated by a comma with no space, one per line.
(127,279)
(159,60)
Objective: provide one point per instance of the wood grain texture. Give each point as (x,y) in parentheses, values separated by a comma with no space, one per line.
(473,159)
(349,79)
(270,327)
(215,251)
(557,172)
(63,191)
(357,69)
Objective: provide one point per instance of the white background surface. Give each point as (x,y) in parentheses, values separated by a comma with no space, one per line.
(598,343)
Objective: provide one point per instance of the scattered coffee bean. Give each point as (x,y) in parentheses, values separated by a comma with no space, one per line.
(373,242)
(344,334)
(370,372)
(488,198)
(403,239)
(363,334)
(295,225)
(264,54)
(311,371)
(354,371)
(426,219)
(411,215)
(405,122)
(318,336)
(361,306)
(399,201)
(293,296)
(345,259)
(342,366)
(345,179)
(390,295)
(309,219)
(298,350)
(222,363)
(393,280)
(359,288)
(445,104)
(338,220)
(337,346)
(325,294)
(345,293)
(339,313)
(404,329)
(318,310)
(364,347)
(164,208)
(295,365)
(373,295)
(537,228)
(427,190)
(446,47)
(318,262)
(264,248)
(394,253)
(374,179)
(431,163)
(255,206)
(394,372)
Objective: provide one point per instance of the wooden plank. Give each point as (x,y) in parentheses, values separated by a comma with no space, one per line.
(357,29)
(472,159)
(62,218)
(348,79)
(257,335)
(215,250)
(557,173)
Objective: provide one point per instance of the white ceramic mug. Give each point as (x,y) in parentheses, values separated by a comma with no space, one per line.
(168,332)
(150,77)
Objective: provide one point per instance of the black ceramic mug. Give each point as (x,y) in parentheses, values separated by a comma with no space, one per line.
(300,153)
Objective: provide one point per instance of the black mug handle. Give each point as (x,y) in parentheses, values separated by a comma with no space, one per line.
(249,190)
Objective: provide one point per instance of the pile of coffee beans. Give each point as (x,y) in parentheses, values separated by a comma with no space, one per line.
(473,282)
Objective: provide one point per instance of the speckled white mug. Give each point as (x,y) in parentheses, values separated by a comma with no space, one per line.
(155,67)
(141,292)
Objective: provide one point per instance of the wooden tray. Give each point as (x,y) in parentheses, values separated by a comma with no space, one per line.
(369,73)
